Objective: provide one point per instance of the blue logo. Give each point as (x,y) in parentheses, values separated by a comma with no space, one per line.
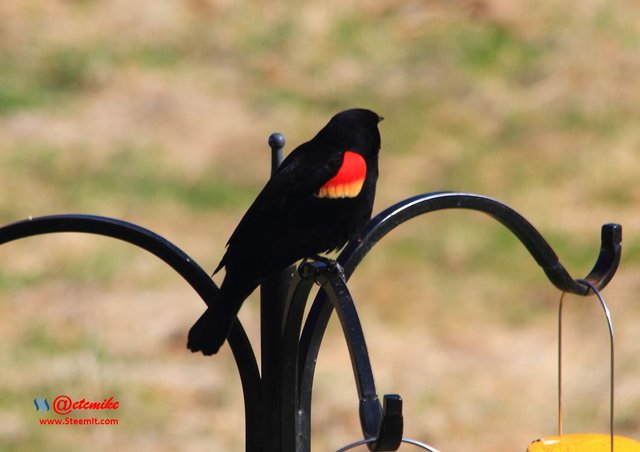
(41,404)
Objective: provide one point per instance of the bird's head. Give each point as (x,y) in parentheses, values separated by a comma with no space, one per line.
(355,129)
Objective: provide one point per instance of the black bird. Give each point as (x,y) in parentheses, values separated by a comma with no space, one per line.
(319,198)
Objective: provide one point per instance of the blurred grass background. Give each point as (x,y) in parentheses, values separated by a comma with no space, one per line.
(158,112)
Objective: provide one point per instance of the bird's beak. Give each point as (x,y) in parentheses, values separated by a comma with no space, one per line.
(380,118)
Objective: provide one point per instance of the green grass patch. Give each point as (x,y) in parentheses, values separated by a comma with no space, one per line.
(499,49)
(129,175)
(45,76)
(44,340)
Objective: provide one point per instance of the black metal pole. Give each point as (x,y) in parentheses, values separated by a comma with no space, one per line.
(273,296)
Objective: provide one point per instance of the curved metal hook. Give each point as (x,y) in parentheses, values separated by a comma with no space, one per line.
(122,230)
(379,226)
(602,272)
(176,259)
(333,284)
(381,423)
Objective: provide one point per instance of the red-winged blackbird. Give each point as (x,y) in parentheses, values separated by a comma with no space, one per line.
(319,198)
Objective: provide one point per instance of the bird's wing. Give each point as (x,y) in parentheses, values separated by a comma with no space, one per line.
(304,171)
(301,176)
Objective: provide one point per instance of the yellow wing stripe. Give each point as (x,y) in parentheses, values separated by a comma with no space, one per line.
(349,179)
(346,190)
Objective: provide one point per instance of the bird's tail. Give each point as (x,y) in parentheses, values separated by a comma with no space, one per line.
(212,328)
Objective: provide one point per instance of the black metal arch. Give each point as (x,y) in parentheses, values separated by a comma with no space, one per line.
(321,309)
(602,272)
(177,259)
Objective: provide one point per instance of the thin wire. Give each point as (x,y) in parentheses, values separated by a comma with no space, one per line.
(413,442)
(607,314)
(424,446)
(356,444)
(560,364)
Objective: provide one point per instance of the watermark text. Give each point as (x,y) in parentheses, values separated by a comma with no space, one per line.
(64,406)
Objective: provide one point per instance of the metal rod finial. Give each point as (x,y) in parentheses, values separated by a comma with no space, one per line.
(276,143)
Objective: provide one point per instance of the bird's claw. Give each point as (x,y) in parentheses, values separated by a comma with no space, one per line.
(308,269)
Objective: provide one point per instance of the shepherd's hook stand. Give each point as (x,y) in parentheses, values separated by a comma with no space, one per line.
(277,394)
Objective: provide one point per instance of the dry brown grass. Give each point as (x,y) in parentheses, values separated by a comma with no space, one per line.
(158,113)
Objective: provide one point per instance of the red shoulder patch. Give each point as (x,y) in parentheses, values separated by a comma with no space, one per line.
(349,179)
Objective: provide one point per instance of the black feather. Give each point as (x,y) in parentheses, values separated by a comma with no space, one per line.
(287,222)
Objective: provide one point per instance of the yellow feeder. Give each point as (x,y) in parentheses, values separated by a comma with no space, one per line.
(585,442)
(591,442)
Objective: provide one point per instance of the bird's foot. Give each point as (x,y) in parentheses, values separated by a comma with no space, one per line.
(331,263)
